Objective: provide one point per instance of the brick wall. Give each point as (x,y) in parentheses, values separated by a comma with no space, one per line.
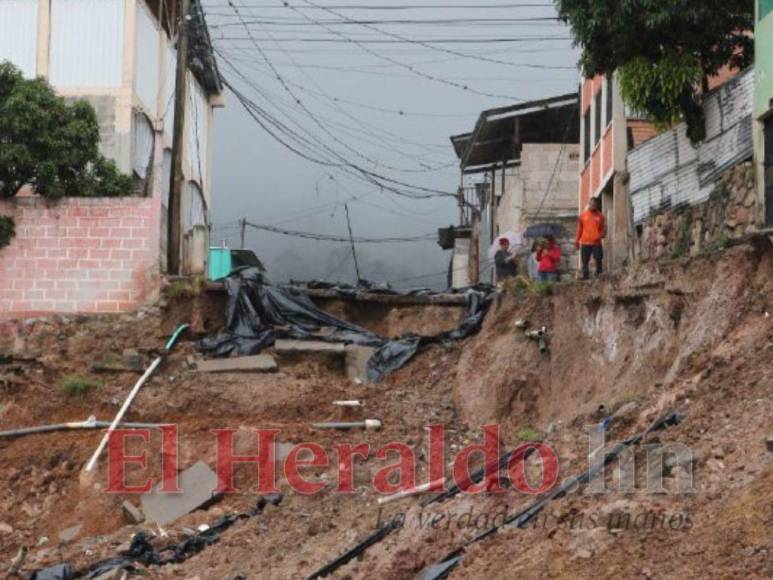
(88,255)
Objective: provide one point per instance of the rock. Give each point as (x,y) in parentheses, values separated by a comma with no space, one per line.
(5,529)
(69,534)
(131,513)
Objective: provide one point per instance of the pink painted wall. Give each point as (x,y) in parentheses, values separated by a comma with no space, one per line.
(86,255)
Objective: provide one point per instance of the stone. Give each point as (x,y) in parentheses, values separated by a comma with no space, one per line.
(357,358)
(131,513)
(261,363)
(69,534)
(309,347)
(198,486)
(5,529)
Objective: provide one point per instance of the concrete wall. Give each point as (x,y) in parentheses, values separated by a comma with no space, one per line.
(539,190)
(763,109)
(542,190)
(79,255)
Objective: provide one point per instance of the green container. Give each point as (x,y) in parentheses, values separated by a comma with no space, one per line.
(219,264)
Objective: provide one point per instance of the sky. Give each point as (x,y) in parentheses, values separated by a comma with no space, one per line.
(364,88)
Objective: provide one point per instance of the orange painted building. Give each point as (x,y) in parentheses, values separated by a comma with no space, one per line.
(606,134)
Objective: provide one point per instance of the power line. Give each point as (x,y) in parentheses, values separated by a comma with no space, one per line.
(425,44)
(403,65)
(300,103)
(340,239)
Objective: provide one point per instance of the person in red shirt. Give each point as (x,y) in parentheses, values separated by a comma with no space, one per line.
(548,256)
(591,230)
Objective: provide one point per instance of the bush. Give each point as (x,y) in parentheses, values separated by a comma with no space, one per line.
(7,230)
(527,434)
(78,385)
(50,145)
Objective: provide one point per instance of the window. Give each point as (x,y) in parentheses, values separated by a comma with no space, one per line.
(597,132)
(586,136)
(610,100)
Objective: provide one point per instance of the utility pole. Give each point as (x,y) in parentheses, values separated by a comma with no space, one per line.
(177,178)
(351,239)
(243,223)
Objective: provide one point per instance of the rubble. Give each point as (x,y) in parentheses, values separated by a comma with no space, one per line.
(294,347)
(197,485)
(261,363)
(132,513)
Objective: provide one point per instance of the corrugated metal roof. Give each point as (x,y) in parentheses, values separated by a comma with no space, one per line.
(668,170)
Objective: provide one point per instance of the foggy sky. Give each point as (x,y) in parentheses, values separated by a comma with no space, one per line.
(257,178)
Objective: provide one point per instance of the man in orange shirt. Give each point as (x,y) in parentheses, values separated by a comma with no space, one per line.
(591,229)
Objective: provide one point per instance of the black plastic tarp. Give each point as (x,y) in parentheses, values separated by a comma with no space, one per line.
(257,313)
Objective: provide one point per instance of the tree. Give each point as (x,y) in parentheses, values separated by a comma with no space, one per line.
(51,145)
(663,50)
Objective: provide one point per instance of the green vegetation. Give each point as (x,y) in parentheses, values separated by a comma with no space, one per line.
(185,288)
(50,145)
(7,230)
(529,434)
(664,51)
(78,385)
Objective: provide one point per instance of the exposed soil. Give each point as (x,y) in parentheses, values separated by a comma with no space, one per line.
(695,335)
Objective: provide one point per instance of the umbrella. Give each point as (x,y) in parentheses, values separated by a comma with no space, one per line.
(512,237)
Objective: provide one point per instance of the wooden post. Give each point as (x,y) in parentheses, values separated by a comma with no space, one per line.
(178,179)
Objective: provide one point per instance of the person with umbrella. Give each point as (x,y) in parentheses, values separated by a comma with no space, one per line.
(505,262)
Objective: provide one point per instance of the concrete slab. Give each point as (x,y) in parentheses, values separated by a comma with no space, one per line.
(197,485)
(262,363)
(357,358)
(309,347)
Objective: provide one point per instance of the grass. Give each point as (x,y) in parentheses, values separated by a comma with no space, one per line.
(529,434)
(78,385)
(185,288)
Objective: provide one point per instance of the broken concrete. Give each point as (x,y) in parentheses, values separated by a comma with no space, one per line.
(261,363)
(132,513)
(286,347)
(357,358)
(197,488)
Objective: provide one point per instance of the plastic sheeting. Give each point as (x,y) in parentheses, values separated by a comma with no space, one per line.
(142,551)
(257,313)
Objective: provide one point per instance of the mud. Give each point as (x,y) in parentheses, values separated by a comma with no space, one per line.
(695,334)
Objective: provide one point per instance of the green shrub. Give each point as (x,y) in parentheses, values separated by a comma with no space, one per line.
(51,145)
(528,434)
(7,230)
(78,385)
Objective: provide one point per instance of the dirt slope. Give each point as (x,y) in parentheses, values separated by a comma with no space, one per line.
(691,334)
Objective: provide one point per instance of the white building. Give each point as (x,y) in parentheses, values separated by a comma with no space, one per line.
(120,55)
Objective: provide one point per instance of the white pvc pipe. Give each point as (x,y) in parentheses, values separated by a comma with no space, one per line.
(409,492)
(125,407)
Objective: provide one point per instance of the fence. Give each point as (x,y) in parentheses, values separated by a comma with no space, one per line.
(668,171)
